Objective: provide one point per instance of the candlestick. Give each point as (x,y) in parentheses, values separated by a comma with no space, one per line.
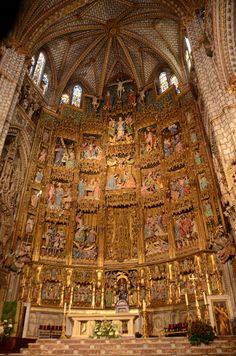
(170,271)
(204,297)
(186,299)
(63,331)
(144,305)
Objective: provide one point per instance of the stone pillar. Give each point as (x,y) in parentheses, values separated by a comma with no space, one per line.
(219,110)
(12,72)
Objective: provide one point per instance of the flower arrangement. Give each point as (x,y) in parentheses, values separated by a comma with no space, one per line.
(6,328)
(200,332)
(105,329)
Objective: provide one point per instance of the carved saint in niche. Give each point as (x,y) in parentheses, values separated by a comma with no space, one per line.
(42,155)
(39,176)
(203,182)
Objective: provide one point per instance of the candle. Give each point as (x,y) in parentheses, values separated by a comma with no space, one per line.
(64,308)
(144,305)
(204,297)
(186,299)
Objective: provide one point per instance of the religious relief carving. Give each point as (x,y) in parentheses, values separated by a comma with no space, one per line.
(11,174)
(64,153)
(185,231)
(30,100)
(88,188)
(148,139)
(90,148)
(179,188)
(42,155)
(120,129)
(82,282)
(172,141)
(51,292)
(152,182)
(59,196)
(120,173)
(85,238)
(53,241)
(223,243)
(82,295)
(155,233)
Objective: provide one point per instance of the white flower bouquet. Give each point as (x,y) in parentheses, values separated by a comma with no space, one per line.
(105,329)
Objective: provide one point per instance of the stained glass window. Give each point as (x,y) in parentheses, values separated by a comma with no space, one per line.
(39,68)
(163,82)
(188,51)
(45,82)
(77,95)
(31,70)
(65,99)
(174,81)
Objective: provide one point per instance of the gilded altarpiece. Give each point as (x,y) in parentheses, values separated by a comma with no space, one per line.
(116,204)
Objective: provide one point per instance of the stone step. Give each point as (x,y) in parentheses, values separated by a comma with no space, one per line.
(129,347)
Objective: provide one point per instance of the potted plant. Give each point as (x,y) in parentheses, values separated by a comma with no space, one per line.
(200,332)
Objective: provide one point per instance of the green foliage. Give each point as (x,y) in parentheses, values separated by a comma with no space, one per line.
(104,329)
(9,310)
(200,332)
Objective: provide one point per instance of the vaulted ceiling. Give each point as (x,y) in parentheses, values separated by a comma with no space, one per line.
(92,42)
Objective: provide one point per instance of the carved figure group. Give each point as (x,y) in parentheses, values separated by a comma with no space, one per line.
(91,150)
(152,183)
(172,140)
(185,231)
(180,188)
(53,241)
(120,130)
(64,155)
(89,188)
(148,139)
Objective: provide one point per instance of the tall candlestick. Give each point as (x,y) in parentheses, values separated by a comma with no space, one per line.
(204,297)
(64,308)
(170,271)
(144,305)
(186,299)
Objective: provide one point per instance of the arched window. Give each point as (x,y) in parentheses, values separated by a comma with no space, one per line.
(174,81)
(163,82)
(77,95)
(65,99)
(188,55)
(44,83)
(38,72)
